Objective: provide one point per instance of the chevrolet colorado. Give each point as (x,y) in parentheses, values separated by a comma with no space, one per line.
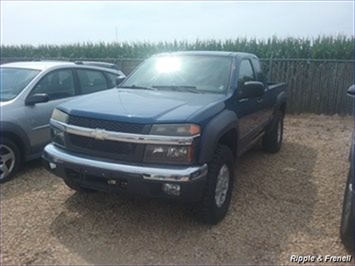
(172,129)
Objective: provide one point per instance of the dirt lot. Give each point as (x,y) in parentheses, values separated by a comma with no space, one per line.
(283,204)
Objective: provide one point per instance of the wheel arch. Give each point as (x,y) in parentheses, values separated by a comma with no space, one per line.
(17,135)
(17,140)
(222,129)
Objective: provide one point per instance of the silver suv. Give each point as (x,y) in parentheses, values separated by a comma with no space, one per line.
(29,91)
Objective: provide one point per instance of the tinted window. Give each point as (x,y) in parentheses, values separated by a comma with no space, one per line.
(91,81)
(246,73)
(258,71)
(14,80)
(58,84)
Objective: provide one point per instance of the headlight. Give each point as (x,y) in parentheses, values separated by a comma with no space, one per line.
(172,154)
(57,136)
(60,116)
(175,130)
(168,154)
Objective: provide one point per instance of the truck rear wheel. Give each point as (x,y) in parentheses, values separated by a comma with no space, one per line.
(347,220)
(218,190)
(272,140)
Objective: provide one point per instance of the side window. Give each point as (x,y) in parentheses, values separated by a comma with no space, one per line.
(258,71)
(57,84)
(91,81)
(246,73)
(111,79)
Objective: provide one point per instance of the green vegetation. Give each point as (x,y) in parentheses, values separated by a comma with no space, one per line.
(323,47)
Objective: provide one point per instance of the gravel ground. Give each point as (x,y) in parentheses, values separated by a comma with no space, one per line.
(283,204)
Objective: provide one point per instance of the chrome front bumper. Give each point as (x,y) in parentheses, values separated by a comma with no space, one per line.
(55,155)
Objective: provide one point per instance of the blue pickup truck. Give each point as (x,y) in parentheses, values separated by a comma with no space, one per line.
(172,129)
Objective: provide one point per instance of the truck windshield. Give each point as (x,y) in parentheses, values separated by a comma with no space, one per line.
(14,80)
(188,73)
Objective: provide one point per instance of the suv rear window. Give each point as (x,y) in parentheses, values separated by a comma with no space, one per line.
(91,81)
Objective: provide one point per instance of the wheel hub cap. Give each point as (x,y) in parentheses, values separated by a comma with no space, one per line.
(7,160)
(222,185)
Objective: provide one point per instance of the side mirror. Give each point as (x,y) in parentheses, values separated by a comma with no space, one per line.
(119,80)
(351,91)
(251,89)
(37,98)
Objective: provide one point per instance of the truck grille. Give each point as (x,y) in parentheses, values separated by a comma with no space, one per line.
(106,149)
(106,124)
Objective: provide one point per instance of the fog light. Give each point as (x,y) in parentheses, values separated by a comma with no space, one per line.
(171,189)
(52,166)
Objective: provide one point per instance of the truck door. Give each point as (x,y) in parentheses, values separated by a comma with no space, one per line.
(249,110)
(268,100)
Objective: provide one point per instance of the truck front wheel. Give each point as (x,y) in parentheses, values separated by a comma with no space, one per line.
(272,140)
(218,190)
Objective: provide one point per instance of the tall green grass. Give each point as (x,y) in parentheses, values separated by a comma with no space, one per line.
(322,47)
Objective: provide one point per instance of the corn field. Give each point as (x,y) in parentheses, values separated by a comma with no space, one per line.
(322,47)
(316,81)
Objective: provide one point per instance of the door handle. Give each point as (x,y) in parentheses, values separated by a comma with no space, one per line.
(260,100)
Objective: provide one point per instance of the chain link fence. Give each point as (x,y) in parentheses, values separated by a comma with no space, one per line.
(314,86)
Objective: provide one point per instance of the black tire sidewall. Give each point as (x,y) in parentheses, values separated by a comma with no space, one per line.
(223,209)
(280,122)
(212,214)
(270,140)
(12,145)
(346,228)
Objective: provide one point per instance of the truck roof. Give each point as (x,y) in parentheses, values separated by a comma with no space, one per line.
(209,53)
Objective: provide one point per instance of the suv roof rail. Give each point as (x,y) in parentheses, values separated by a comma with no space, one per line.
(98,64)
(48,60)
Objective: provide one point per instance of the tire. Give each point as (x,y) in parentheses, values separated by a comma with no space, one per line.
(272,140)
(74,186)
(212,209)
(10,159)
(347,217)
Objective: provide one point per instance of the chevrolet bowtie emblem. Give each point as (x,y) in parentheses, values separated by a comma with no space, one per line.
(98,134)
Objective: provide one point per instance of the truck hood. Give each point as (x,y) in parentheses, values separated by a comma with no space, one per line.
(145,106)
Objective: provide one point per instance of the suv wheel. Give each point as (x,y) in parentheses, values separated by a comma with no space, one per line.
(218,191)
(272,140)
(10,159)
(347,220)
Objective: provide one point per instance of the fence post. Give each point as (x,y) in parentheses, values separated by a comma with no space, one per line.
(335,107)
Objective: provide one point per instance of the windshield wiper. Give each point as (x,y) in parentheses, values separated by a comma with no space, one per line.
(136,87)
(179,88)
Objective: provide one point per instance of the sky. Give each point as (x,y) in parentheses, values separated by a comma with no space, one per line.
(64,22)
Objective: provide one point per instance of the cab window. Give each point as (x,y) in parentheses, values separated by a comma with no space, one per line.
(258,70)
(246,73)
